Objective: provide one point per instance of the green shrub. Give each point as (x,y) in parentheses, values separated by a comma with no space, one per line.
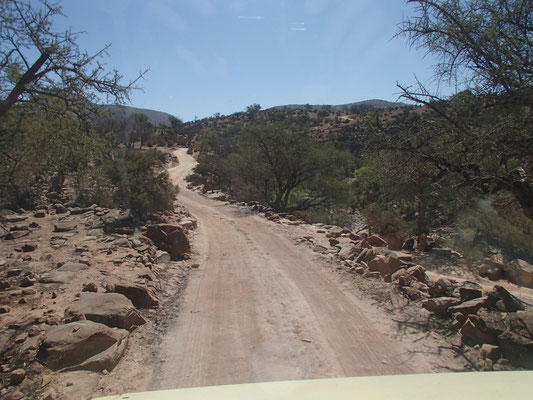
(387,222)
(139,183)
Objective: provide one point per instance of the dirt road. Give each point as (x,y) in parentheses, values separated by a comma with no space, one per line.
(260,308)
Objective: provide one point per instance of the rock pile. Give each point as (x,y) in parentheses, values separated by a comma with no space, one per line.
(73,285)
(496,321)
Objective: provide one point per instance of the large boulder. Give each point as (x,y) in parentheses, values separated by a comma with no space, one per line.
(418,272)
(394,242)
(112,309)
(141,296)
(346,250)
(64,226)
(470,290)
(442,287)
(82,345)
(471,333)
(519,273)
(376,241)
(385,265)
(366,255)
(518,348)
(500,298)
(470,306)
(170,238)
(492,272)
(116,219)
(526,318)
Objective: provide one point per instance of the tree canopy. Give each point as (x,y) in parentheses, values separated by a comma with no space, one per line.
(482,135)
(47,67)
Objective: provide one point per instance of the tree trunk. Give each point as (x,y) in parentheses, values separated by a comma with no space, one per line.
(19,88)
(421,219)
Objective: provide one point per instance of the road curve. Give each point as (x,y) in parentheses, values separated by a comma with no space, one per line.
(260,308)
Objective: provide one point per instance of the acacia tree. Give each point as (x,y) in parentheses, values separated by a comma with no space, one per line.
(482,136)
(39,63)
(285,169)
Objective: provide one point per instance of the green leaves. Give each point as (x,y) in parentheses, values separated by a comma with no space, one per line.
(278,164)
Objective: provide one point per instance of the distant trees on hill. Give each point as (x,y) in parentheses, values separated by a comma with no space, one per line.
(52,133)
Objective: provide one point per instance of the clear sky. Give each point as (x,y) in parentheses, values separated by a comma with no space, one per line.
(209,56)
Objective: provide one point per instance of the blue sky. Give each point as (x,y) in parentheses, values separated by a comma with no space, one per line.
(209,56)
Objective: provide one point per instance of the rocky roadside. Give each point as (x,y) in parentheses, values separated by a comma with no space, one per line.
(81,289)
(486,325)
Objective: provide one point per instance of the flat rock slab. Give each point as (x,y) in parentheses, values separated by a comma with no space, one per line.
(82,345)
(73,267)
(112,309)
(63,274)
(470,306)
(57,277)
(64,226)
(440,305)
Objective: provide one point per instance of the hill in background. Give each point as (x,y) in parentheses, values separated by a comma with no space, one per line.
(124,112)
(373,103)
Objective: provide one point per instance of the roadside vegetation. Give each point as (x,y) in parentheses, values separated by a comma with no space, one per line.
(459,165)
(54,134)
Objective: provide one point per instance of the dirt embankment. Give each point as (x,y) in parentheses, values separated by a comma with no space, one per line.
(63,263)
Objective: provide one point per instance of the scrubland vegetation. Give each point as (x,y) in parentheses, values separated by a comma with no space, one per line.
(462,161)
(458,164)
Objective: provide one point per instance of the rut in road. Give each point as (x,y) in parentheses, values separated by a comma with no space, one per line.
(260,308)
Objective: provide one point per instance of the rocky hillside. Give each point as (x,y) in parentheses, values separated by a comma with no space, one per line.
(70,274)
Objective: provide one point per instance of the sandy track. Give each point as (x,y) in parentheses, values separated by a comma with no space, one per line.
(260,308)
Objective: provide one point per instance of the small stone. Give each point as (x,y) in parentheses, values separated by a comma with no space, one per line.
(17,376)
(27,281)
(46,379)
(29,247)
(16,395)
(90,287)
(60,208)
(21,338)
(50,394)
(195,266)
(359,270)
(34,331)
(39,214)
(23,301)
(490,351)
(13,272)
(29,292)
(4,309)
(373,275)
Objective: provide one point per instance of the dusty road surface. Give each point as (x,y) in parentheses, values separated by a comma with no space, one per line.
(260,308)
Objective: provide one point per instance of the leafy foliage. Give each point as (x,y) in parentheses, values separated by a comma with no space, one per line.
(139,186)
(39,63)
(277,164)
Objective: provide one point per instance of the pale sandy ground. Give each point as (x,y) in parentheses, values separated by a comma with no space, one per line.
(261,308)
(264,306)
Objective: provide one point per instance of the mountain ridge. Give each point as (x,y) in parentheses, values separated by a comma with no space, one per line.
(373,103)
